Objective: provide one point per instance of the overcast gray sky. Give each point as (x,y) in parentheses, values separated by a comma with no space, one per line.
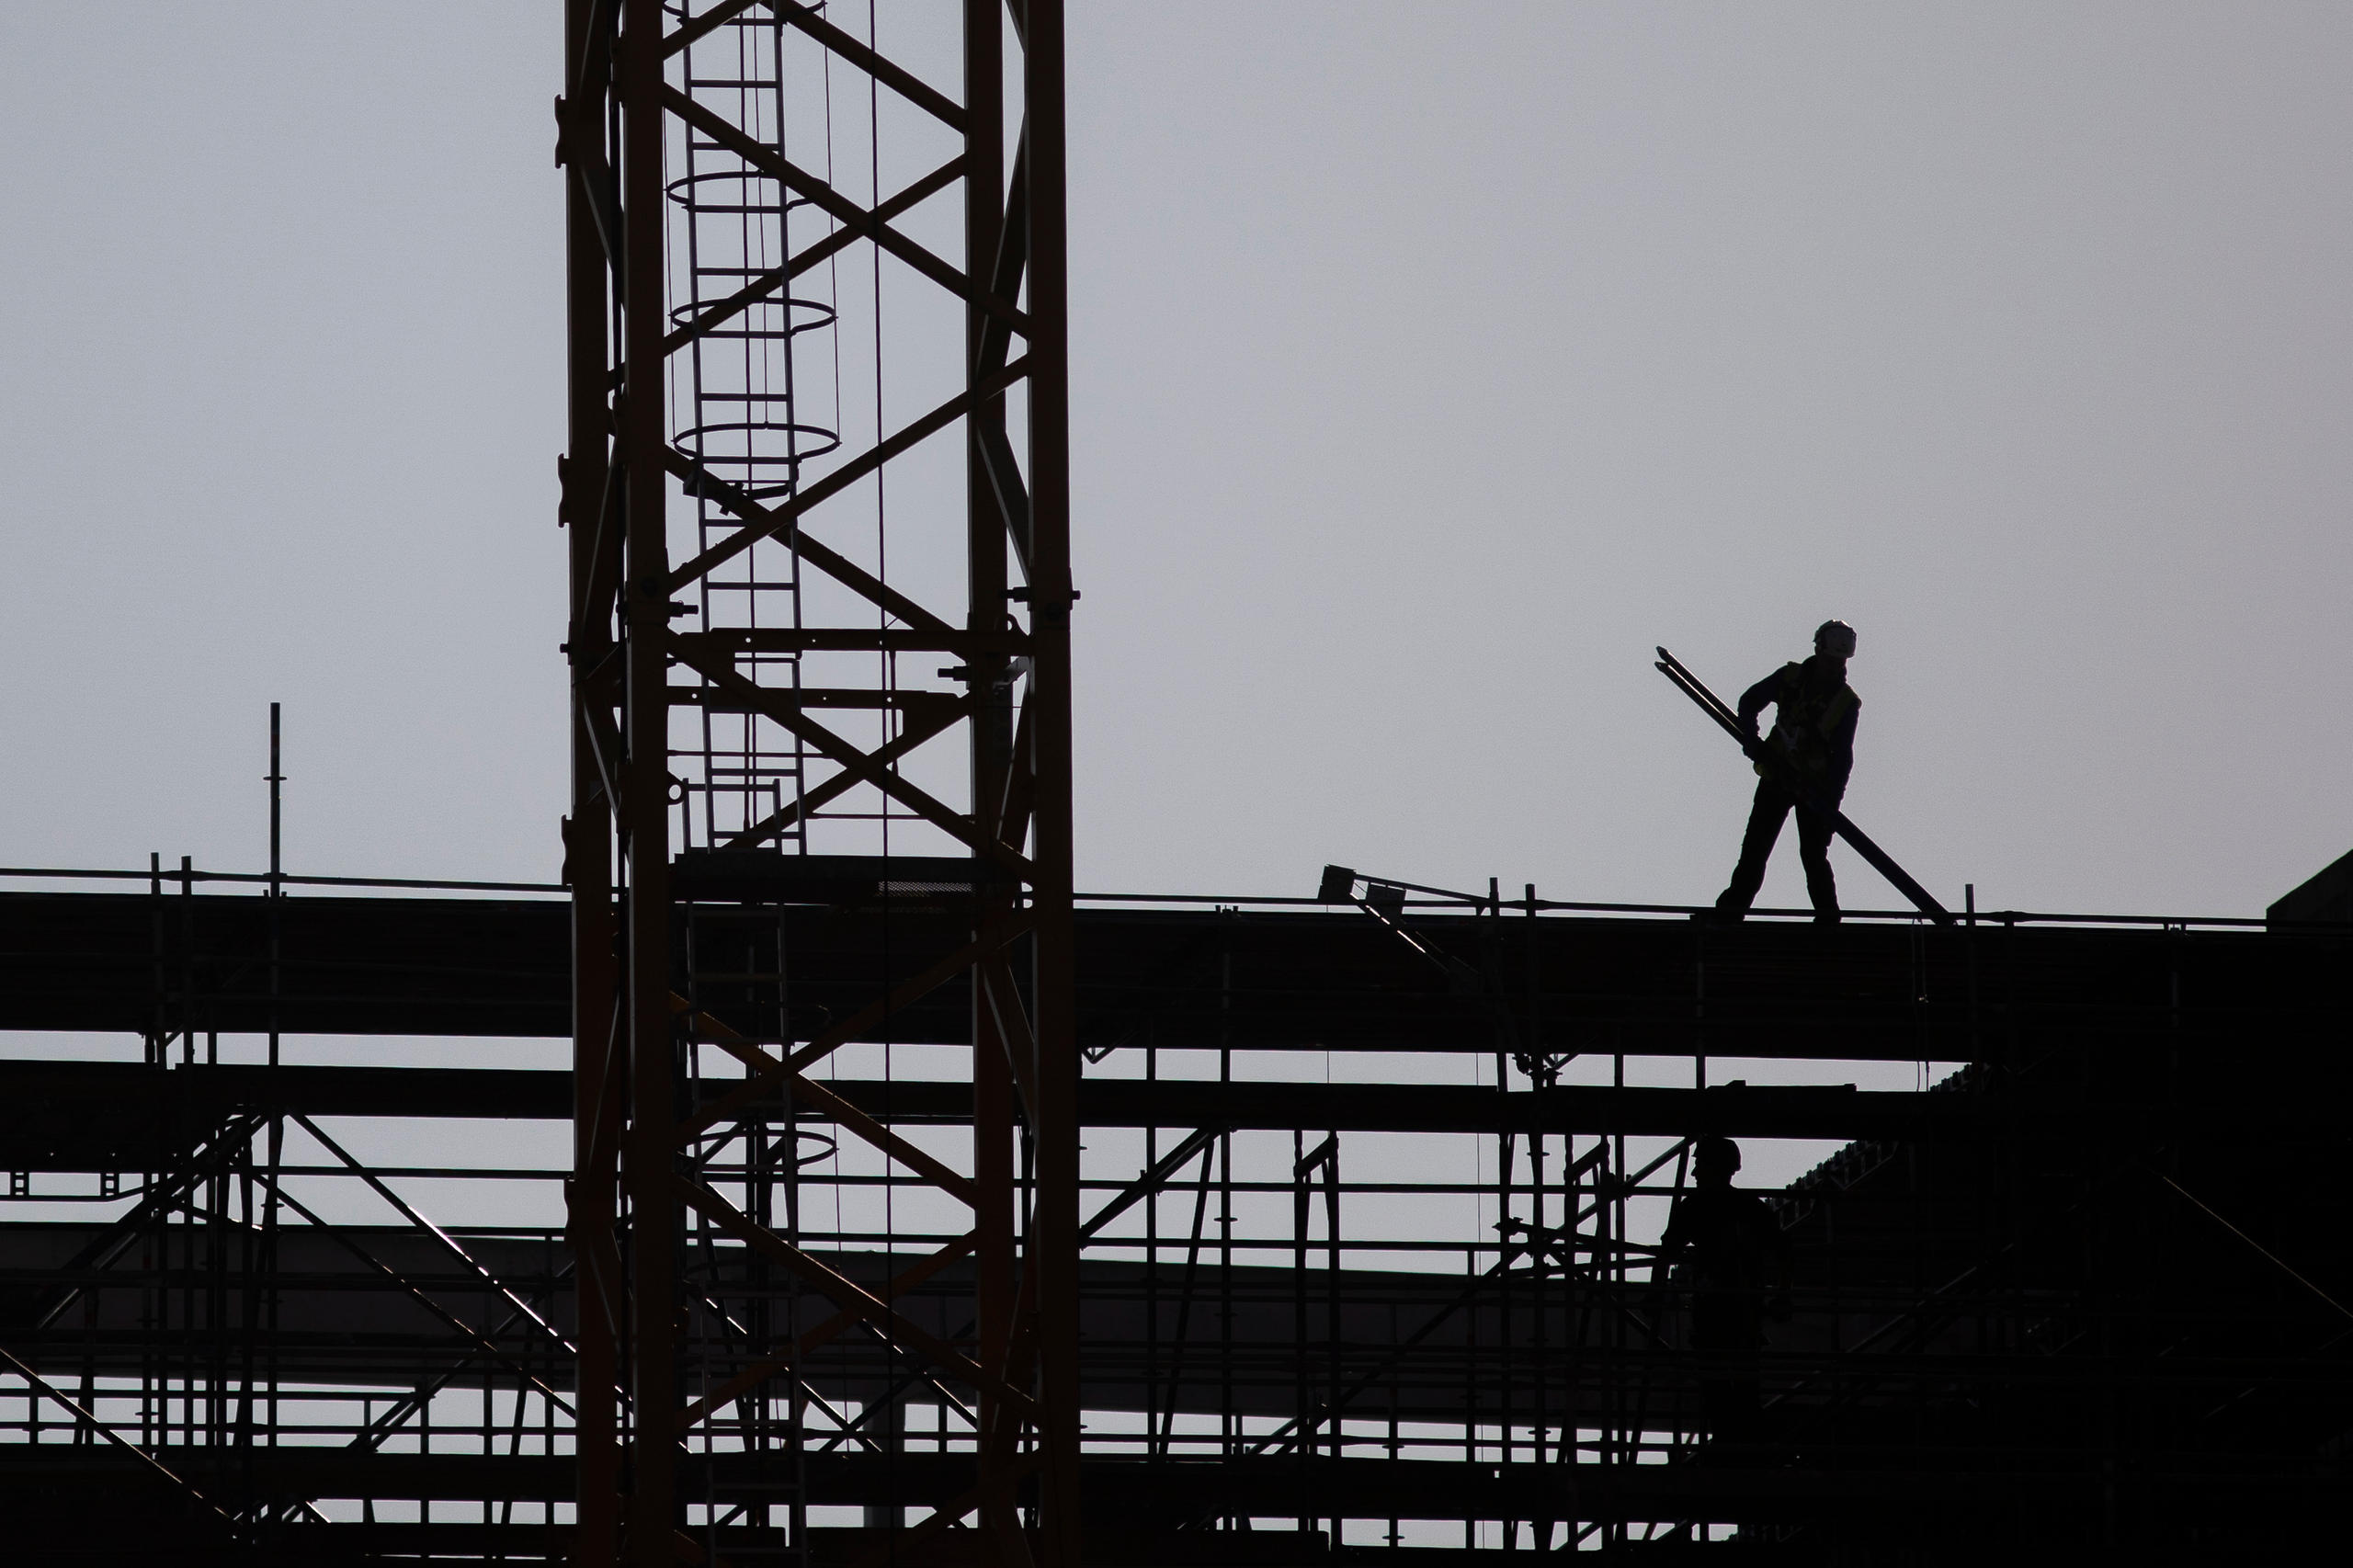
(1433,361)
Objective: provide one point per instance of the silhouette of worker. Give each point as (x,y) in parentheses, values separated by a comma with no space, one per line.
(1813,727)
(1731,1252)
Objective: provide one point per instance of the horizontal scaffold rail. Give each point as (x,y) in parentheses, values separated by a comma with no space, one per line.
(166,962)
(84,1115)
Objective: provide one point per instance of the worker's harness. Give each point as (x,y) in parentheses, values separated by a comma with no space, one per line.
(1806,719)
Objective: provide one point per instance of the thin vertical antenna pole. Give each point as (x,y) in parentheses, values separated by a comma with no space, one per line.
(188,961)
(159,1033)
(277,879)
(274,1134)
(277,778)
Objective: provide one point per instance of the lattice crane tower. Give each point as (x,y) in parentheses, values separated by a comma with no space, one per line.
(799,267)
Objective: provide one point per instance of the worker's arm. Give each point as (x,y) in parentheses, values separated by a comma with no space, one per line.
(1758,698)
(1671,1246)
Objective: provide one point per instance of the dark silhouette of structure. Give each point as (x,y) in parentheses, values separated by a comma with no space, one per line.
(800,1259)
(1731,1254)
(1813,733)
(2082,1294)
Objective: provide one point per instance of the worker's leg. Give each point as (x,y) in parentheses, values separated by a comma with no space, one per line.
(1814,853)
(1765,818)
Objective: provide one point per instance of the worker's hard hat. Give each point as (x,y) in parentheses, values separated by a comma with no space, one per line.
(1718,1151)
(1834,637)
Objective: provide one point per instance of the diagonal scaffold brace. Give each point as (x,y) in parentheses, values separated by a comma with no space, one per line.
(1766,758)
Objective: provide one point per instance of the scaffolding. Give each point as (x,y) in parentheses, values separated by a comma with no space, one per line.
(2080,1292)
(813,1176)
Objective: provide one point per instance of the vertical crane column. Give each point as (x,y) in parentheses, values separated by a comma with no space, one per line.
(1054,1239)
(989,525)
(590,514)
(648,1151)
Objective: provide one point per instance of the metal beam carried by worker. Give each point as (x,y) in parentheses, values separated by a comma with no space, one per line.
(1802,763)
